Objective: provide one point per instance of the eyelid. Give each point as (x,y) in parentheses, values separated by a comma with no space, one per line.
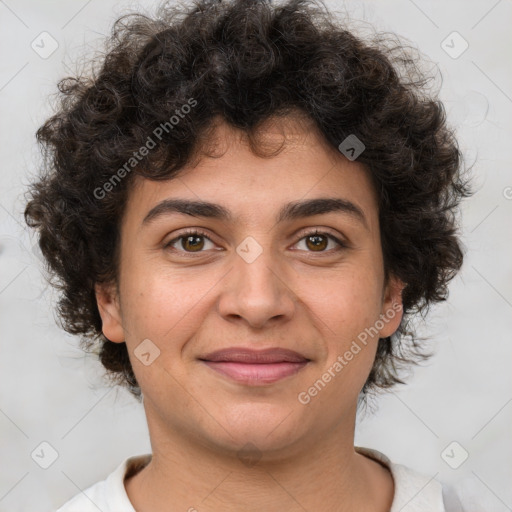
(322,231)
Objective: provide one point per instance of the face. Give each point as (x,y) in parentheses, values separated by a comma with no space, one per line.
(294,264)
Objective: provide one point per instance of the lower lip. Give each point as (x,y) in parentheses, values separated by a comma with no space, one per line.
(256,374)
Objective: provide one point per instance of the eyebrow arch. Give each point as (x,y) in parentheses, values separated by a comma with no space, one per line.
(290,211)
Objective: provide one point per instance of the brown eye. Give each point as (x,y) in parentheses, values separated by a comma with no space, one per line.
(316,242)
(190,242)
(320,242)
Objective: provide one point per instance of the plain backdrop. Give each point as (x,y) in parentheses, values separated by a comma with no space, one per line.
(51,393)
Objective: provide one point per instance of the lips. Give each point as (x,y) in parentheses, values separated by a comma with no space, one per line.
(244,355)
(255,367)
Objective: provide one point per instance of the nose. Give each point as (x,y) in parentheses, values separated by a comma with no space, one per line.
(258,293)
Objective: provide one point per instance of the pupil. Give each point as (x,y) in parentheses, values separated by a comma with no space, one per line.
(319,241)
(190,241)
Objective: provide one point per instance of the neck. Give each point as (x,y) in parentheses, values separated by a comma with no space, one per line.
(324,474)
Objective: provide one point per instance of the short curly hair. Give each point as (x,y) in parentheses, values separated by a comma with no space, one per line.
(244,61)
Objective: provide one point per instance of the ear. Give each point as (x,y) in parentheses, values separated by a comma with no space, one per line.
(110,312)
(392,307)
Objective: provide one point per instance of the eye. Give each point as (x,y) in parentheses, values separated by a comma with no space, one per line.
(318,241)
(194,241)
(191,241)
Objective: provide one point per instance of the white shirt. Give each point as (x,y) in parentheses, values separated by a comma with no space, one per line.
(414,492)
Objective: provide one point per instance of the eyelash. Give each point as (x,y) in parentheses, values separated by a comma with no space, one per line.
(198,232)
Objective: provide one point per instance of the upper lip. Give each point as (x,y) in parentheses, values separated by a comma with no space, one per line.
(245,355)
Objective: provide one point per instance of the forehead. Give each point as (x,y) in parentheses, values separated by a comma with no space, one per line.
(229,173)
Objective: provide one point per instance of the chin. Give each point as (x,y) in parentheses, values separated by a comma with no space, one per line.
(259,428)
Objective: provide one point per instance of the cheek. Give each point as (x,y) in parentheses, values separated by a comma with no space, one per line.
(351,300)
(349,308)
(160,306)
(163,310)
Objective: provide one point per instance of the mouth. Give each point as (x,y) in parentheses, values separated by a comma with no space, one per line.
(255,367)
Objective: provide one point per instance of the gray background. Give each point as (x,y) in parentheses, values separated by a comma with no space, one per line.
(51,393)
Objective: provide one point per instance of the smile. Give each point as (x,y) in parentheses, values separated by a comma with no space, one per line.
(255,367)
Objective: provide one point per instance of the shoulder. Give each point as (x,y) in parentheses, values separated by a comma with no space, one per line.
(108,495)
(415,491)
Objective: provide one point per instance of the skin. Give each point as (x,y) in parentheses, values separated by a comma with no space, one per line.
(315,302)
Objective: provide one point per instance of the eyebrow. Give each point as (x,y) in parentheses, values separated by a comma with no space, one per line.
(290,211)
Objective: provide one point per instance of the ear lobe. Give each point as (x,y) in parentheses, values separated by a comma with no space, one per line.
(110,312)
(392,307)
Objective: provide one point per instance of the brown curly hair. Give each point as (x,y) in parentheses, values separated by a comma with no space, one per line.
(245,61)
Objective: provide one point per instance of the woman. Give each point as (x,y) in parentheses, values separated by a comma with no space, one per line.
(246,206)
